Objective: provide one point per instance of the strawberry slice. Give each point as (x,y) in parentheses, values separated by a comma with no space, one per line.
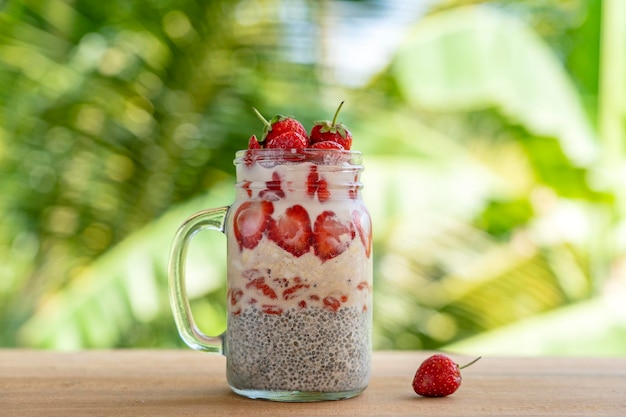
(311,181)
(292,231)
(274,190)
(263,288)
(331,236)
(315,184)
(295,290)
(272,309)
(331,303)
(250,222)
(363,224)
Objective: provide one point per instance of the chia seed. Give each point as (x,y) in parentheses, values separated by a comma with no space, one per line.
(312,350)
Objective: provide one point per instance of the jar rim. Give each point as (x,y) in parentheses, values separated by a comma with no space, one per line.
(293,156)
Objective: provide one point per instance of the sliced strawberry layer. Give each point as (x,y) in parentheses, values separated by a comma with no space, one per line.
(292,231)
(331,236)
(250,222)
(273,190)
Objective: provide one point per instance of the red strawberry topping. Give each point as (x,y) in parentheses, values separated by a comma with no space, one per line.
(253,143)
(279,125)
(287,140)
(332,131)
(331,236)
(292,231)
(328,144)
(250,222)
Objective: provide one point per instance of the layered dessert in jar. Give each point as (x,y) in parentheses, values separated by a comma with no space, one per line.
(299,273)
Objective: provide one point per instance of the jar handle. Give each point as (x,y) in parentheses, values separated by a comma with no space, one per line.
(211,219)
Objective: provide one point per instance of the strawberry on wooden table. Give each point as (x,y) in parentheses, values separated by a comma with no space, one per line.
(438,376)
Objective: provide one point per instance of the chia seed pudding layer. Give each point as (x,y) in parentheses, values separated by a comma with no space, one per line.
(314,350)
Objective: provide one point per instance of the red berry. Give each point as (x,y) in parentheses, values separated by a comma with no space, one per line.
(250,222)
(332,131)
(253,143)
(287,140)
(279,125)
(292,231)
(331,236)
(329,144)
(438,376)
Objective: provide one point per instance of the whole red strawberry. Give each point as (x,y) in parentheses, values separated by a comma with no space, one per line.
(280,125)
(253,143)
(286,140)
(328,144)
(331,131)
(438,376)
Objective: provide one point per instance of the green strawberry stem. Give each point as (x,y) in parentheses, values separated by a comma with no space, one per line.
(471,363)
(337,113)
(267,124)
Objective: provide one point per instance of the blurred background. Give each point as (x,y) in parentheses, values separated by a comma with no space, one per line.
(493,134)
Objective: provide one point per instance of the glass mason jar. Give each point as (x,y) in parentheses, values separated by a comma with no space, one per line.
(299,254)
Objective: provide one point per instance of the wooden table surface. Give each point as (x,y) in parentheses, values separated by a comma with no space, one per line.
(188,383)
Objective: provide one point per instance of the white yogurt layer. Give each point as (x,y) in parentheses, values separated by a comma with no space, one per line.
(270,278)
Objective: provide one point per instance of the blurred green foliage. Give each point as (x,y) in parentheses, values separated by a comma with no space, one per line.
(493,163)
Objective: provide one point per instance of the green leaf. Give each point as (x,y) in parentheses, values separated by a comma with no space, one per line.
(472,58)
(592,327)
(128,285)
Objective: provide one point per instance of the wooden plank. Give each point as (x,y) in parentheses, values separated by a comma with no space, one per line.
(187,383)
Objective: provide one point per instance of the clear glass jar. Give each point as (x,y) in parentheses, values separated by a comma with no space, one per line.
(299,276)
